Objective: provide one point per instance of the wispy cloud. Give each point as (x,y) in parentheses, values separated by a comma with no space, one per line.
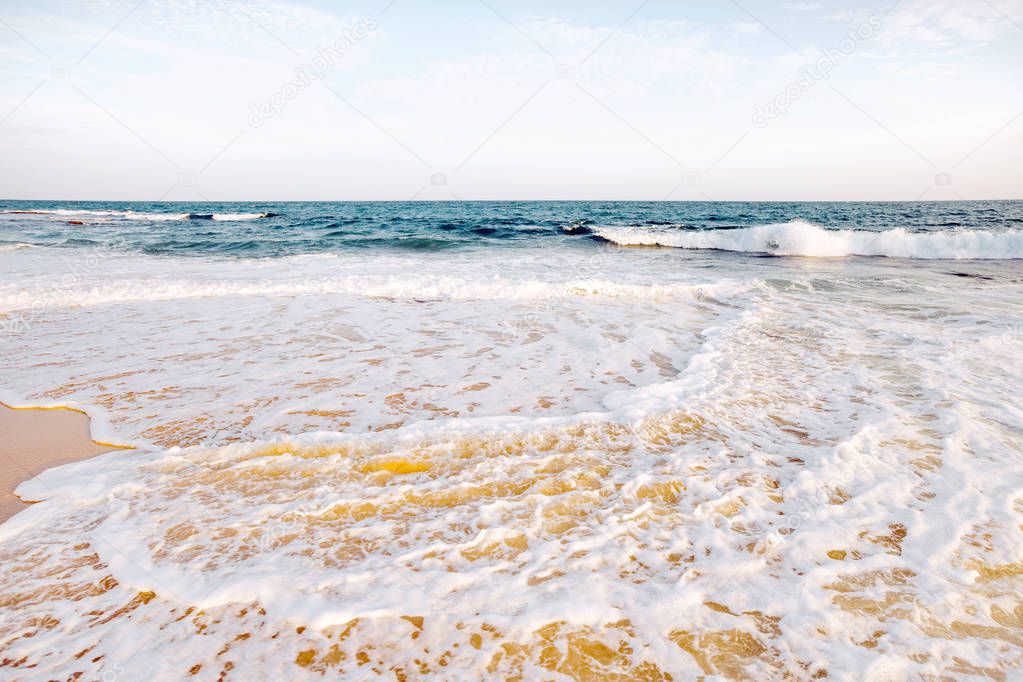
(948,23)
(801,6)
(747,28)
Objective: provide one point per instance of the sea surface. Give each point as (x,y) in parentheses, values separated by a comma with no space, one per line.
(547,440)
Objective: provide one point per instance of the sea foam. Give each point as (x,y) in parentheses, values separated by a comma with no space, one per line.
(517,463)
(800,238)
(154,216)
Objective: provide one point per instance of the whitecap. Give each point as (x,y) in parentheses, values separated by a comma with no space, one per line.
(800,238)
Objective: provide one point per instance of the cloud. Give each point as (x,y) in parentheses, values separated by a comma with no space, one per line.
(801,6)
(945,23)
(747,28)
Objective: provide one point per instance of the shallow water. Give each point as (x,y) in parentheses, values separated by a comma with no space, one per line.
(469,439)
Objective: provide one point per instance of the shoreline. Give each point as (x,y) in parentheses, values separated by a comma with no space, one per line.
(34,439)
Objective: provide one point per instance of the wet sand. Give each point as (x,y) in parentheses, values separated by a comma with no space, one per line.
(33,440)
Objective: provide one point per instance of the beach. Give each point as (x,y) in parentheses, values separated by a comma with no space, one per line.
(35,440)
(590,440)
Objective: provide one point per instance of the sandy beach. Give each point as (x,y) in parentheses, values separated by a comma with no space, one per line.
(35,439)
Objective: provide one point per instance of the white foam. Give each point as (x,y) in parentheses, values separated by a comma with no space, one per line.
(15,247)
(238,216)
(377,437)
(800,238)
(63,213)
(412,288)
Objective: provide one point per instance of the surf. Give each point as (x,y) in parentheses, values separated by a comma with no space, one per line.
(801,238)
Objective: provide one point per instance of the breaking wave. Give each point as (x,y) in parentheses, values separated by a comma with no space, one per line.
(800,238)
(14,246)
(140,215)
(419,289)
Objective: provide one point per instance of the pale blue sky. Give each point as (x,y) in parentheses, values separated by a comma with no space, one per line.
(511,100)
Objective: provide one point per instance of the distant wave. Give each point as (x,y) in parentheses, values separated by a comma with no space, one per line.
(142,215)
(800,238)
(576,227)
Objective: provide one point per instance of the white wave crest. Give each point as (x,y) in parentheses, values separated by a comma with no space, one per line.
(800,238)
(64,213)
(426,288)
(238,216)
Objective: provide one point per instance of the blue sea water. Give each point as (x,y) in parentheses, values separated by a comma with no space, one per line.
(270,229)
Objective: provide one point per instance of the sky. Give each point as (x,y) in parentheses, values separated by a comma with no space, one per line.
(155,100)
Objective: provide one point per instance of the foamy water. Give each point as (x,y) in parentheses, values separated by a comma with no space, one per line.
(800,238)
(548,462)
(79,216)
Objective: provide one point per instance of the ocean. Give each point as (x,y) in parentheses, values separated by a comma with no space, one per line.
(654,440)
(977,229)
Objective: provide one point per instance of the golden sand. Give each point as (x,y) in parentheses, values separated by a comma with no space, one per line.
(35,439)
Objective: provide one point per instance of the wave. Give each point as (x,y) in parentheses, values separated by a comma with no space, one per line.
(419,289)
(800,238)
(243,216)
(576,227)
(142,215)
(15,246)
